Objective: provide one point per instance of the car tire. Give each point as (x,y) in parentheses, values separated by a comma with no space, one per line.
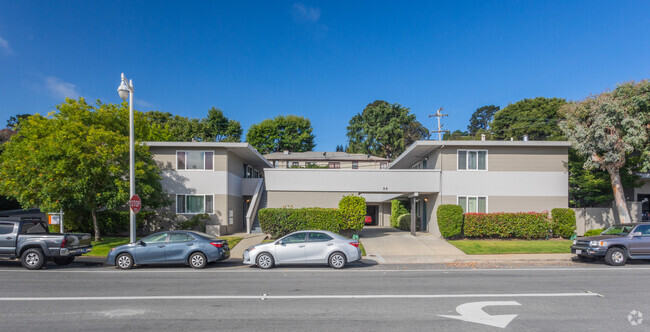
(615,257)
(337,260)
(32,259)
(124,261)
(197,260)
(264,261)
(63,260)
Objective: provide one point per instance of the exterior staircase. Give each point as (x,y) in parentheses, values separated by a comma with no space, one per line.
(256,228)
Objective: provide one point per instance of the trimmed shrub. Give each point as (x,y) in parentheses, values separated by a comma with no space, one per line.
(282,221)
(593,232)
(450,220)
(404,222)
(196,223)
(563,222)
(110,222)
(530,225)
(397,208)
(352,210)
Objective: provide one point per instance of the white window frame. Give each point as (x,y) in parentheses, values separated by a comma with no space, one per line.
(204,205)
(467,197)
(194,170)
(467,160)
(355,164)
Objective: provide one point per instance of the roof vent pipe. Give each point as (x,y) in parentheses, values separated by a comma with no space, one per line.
(526,138)
(286,151)
(482,137)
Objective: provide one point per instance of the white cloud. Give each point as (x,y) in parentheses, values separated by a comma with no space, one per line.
(4,46)
(305,14)
(142,103)
(60,89)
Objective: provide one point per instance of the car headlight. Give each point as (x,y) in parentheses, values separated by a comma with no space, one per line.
(595,243)
(575,241)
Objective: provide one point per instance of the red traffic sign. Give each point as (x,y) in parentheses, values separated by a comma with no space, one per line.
(135,203)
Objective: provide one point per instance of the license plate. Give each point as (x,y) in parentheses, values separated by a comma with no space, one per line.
(578,251)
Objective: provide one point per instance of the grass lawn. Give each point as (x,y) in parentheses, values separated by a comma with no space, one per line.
(103,247)
(487,247)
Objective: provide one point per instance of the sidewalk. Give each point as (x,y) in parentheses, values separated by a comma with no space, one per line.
(248,240)
(392,246)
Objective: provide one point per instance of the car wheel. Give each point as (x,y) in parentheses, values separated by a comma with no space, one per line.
(197,260)
(265,260)
(337,260)
(615,257)
(63,260)
(124,261)
(32,259)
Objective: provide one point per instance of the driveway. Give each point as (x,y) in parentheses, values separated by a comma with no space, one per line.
(390,245)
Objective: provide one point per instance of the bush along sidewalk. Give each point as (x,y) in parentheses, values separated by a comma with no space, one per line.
(450,220)
(563,222)
(530,225)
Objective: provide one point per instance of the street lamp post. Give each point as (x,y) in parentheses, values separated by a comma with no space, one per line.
(126,89)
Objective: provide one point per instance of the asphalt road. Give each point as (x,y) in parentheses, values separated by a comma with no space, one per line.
(360,298)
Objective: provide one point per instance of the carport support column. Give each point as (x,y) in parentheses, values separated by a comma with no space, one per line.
(413,216)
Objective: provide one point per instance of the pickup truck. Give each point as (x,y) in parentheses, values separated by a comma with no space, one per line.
(31,241)
(616,244)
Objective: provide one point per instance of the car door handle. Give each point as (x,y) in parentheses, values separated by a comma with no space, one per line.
(10,238)
(301,246)
(190,244)
(162,246)
(330,244)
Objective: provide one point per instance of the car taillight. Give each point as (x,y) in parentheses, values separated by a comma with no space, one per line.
(64,242)
(217,244)
(356,244)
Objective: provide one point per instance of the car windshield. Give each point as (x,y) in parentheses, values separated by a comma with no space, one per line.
(618,230)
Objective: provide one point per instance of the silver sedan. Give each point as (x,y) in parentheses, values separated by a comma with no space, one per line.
(305,247)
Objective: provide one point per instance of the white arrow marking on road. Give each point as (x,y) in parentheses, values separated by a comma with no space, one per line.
(473,312)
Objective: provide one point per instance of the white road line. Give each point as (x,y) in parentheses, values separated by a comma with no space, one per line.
(289,297)
(299,270)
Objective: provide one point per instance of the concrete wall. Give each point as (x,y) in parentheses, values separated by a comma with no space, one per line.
(593,218)
(294,199)
(511,159)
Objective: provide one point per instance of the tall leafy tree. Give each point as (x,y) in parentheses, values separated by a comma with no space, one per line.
(14,120)
(607,127)
(78,159)
(481,118)
(537,118)
(215,127)
(291,132)
(384,130)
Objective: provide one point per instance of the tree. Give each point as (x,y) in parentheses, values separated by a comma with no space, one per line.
(291,132)
(220,128)
(537,118)
(481,118)
(78,159)
(14,120)
(606,127)
(384,130)
(215,127)
(340,148)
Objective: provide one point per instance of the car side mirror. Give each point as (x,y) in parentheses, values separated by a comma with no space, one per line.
(635,234)
(278,242)
(142,243)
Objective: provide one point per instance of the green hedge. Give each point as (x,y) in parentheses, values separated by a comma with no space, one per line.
(353,210)
(593,232)
(450,220)
(404,222)
(563,222)
(531,225)
(397,208)
(110,222)
(282,221)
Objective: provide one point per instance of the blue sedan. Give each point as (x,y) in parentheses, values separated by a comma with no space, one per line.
(171,247)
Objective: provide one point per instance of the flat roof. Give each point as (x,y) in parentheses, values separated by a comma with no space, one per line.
(420,149)
(323,155)
(243,150)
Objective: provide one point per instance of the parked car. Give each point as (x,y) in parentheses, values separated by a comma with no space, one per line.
(195,249)
(30,240)
(616,244)
(305,247)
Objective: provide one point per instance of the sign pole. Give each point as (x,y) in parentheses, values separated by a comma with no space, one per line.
(61,219)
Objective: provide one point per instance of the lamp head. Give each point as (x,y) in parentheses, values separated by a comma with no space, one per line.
(123,90)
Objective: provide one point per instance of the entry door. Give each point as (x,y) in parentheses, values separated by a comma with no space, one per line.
(292,249)
(153,251)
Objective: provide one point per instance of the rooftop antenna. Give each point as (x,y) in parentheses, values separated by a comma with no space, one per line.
(439,115)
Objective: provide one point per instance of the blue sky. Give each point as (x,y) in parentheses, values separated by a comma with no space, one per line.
(325,60)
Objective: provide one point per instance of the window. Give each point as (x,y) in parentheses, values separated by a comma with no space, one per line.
(179,237)
(383,165)
(35,227)
(473,204)
(7,228)
(644,229)
(294,238)
(155,238)
(275,164)
(355,165)
(319,237)
(334,164)
(194,204)
(194,160)
(472,160)
(295,164)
